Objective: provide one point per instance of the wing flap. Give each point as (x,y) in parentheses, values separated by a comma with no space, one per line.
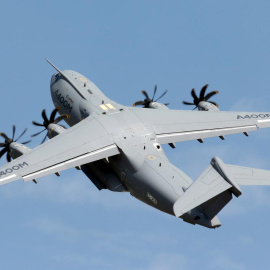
(76,161)
(202,134)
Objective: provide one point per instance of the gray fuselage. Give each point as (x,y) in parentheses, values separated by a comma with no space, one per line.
(142,168)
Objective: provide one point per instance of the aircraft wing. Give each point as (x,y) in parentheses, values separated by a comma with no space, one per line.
(85,142)
(175,125)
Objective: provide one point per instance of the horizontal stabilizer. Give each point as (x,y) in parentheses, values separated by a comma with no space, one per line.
(212,182)
(213,190)
(249,176)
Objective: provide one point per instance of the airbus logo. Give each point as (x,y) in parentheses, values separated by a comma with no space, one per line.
(63,101)
(250,116)
(13,168)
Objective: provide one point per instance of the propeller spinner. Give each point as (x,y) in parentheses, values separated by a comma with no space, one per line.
(202,97)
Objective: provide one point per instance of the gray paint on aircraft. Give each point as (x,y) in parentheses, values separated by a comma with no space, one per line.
(119,148)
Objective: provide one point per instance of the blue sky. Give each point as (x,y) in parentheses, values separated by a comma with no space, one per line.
(124,47)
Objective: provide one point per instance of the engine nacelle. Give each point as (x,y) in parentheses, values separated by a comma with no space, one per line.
(54,130)
(157,105)
(207,106)
(17,149)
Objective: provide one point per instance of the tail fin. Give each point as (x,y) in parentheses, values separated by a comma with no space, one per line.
(213,189)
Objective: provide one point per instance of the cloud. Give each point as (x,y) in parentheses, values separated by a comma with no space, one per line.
(55,228)
(253,198)
(71,258)
(221,260)
(124,249)
(168,261)
(70,188)
(246,240)
(248,104)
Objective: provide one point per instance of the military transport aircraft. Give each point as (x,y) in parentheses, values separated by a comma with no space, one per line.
(119,148)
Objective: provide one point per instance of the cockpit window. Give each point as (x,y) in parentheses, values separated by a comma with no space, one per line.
(56,77)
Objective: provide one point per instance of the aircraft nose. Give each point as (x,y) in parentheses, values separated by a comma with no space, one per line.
(54,78)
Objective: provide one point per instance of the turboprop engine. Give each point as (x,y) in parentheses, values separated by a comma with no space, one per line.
(207,106)
(202,102)
(50,124)
(11,147)
(151,103)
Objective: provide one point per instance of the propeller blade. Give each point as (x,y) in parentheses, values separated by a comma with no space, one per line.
(155,90)
(2,144)
(8,157)
(147,101)
(44,139)
(188,103)
(214,103)
(138,103)
(145,94)
(60,118)
(203,91)
(209,95)
(37,124)
(3,151)
(26,142)
(196,99)
(21,135)
(4,136)
(44,116)
(34,135)
(165,92)
(53,114)
(13,132)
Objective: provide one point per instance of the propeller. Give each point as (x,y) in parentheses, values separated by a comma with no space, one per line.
(47,121)
(146,102)
(8,141)
(202,97)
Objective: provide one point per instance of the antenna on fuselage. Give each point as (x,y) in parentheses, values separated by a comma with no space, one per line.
(69,80)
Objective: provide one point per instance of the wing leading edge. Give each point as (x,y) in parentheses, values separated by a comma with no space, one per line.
(85,142)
